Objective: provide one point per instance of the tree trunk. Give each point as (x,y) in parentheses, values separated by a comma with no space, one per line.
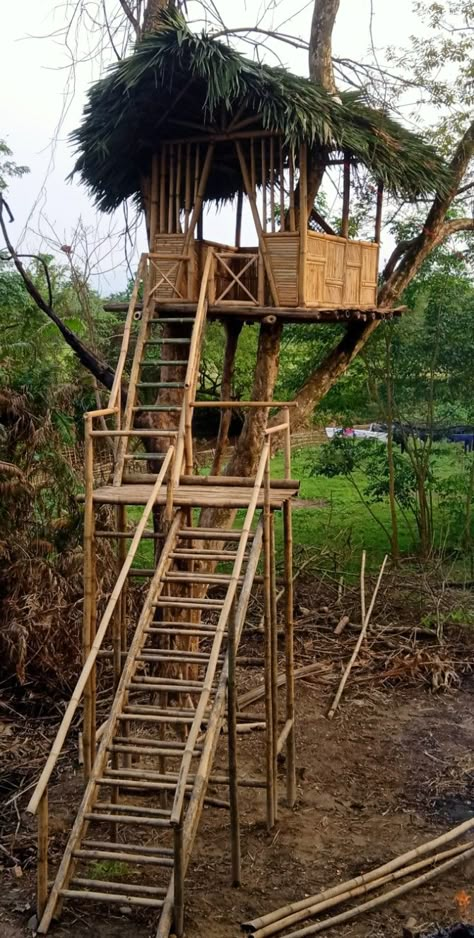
(320,44)
(233,330)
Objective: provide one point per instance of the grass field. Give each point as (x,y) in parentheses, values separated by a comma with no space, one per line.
(340,526)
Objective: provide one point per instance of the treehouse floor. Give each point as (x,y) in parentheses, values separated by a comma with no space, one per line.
(285,314)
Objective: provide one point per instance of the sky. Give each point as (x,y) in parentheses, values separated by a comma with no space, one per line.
(42,102)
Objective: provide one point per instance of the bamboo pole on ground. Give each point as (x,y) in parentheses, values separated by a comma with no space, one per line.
(289,917)
(362,633)
(232,751)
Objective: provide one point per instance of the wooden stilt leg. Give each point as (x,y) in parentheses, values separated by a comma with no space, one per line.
(178,882)
(289,656)
(268,652)
(232,740)
(274,665)
(42,872)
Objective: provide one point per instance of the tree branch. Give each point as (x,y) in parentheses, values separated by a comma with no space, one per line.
(101,370)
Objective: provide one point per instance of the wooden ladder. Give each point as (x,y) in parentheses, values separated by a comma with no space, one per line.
(157,349)
(158,729)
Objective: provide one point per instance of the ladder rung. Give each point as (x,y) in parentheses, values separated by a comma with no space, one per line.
(127,888)
(151,750)
(212,534)
(164,714)
(146,680)
(126,857)
(164,362)
(156,718)
(152,456)
(168,341)
(149,776)
(190,578)
(192,631)
(138,784)
(127,819)
(188,657)
(173,319)
(175,602)
(203,554)
(113,898)
(178,652)
(158,407)
(160,384)
(155,851)
(128,808)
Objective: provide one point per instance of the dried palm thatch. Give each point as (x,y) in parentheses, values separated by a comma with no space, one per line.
(176,81)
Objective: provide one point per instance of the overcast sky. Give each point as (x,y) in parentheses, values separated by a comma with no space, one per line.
(38,90)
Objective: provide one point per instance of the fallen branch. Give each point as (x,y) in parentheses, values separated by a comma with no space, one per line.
(258,692)
(365,623)
(304,905)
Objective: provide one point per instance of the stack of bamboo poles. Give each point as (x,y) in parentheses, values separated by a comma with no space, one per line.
(401,867)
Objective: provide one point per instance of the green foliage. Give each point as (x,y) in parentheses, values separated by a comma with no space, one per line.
(8,168)
(108,869)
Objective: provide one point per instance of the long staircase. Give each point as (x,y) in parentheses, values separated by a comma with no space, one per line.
(147,778)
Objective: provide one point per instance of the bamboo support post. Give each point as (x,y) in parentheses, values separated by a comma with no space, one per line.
(272,185)
(42,871)
(178,877)
(282,187)
(238,218)
(303,225)
(179,173)
(268,652)
(289,655)
(346,197)
(362,633)
(263,158)
(379,213)
(187,188)
(88,588)
(170,188)
(162,189)
(274,663)
(291,184)
(232,751)
(155,184)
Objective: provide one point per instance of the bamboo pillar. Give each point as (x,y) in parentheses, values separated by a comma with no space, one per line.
(170,188)
(179,172)
(269,736)
(274,664)
(258,226)
(162,191)
(346,197)
(291,184)
(187,188)
(232,748)
(89,591)
(178,882)
(303,224)
(238,218)
(282,188)
(42,871)
(154,199)
(272,184)
(378,213)
(289,636)
(263,158)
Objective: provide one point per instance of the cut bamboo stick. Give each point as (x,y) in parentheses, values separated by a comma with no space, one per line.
(363,630)
(232,752)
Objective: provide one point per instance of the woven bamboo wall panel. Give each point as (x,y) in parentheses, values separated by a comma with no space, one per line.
(167,270)
(283,253)
(346,271)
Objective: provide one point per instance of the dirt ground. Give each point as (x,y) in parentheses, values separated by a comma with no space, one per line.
(392,770)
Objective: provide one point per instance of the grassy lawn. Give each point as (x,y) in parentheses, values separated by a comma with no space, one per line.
(339,527)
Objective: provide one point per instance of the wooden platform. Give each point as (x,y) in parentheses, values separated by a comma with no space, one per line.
(190,496)
(286,314)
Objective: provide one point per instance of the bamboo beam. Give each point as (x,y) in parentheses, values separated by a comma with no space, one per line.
(274,664)
(42,872)
(291,184)
(289,655)
(269,761)
(255,215)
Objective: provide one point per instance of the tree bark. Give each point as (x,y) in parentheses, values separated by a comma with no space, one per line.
(233,330)
(321,69)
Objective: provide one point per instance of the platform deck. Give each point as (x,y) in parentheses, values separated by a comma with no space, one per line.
(190,496)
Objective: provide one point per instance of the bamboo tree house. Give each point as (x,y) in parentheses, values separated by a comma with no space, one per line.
(182,123)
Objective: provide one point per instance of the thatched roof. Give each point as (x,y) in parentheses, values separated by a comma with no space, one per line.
(175,78)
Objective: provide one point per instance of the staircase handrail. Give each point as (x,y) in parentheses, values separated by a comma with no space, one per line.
(84,676)
(114,399)
(177,810)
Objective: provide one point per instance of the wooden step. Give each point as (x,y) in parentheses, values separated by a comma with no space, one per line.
(127,888)
(127,819)
(114,898)
(123,856)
